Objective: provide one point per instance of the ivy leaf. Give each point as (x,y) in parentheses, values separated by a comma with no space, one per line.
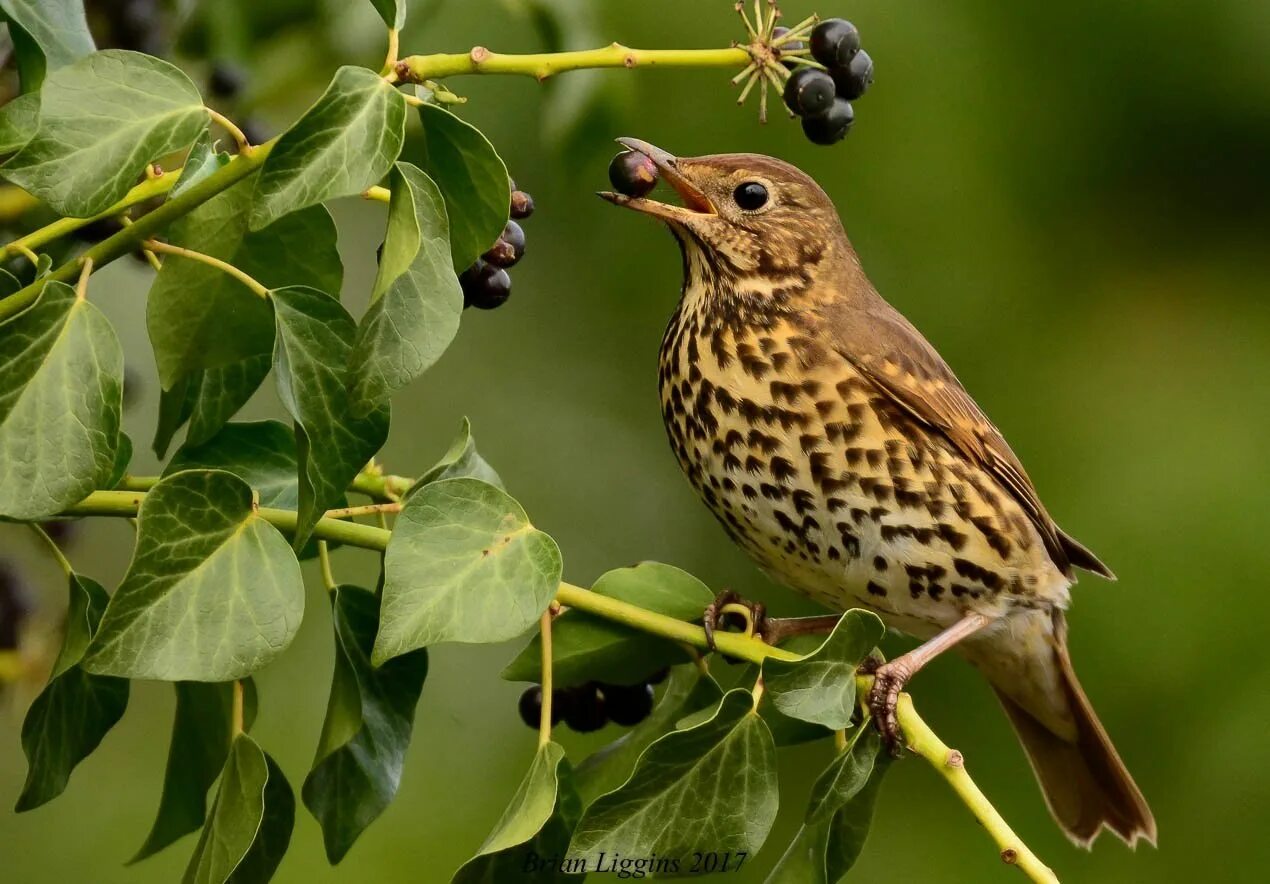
(711,787)
(534,830)
(464,564)
(459,461)
(416,302)
(103,119)
(61,395)
(18,121)
(369,719)
(202,732)
(589,648)
(687,691)
(472,179)
(250,825)
(213,592)
(75,710)
(123,457)
(824,851)
(207,399)
(820,688)
(202,161)
(261,453)
(346,142)
(58,27)
(393,12)
(200,317)
(310,359)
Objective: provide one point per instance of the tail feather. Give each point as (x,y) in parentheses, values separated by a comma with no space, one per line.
(1086,785)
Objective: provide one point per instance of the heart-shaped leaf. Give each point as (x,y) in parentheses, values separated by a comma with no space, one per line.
(103,119)
(462,459)
(472,178)
(213,592)
(346,142)
(369,718)
(820,688)
(314,337)
(708,788)
(75,710)
(58,27)
(464,564)
(261,453)
(61,395)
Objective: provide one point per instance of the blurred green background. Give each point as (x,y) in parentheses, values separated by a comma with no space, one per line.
(1071,200)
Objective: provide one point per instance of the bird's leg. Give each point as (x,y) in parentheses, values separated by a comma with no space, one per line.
(717,611)
(889,678)
(772,630)
(775,630)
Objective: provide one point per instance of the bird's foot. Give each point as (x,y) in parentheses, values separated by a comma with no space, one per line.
(884,696)
(727,605)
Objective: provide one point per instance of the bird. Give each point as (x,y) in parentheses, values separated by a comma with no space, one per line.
(839,450)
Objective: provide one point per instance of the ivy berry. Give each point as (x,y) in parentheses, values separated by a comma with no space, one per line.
(790,46)
(809,92)
(632,174)
(627,705)
(486,284)
(853,80)
(830,127)
(587,711)
(834,42)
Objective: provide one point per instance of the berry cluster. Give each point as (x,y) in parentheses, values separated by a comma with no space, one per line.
(487,284)
(823,97)
(588,707)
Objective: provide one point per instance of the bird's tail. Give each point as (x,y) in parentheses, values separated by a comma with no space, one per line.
(1086,785)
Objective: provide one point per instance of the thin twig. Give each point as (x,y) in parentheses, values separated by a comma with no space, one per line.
(324,562)
(224,266)
(240,138)
(53,548)
(85,271)
(369,509)
(544,715)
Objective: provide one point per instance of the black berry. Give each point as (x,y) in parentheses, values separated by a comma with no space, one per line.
(484,285)
(530,706)
(628,706)
(791,46)
(632,173)
(834,42)
(831,127)
(809,92)
(226,80)
(852,80)
(586,711)
(509,248)
(522,205)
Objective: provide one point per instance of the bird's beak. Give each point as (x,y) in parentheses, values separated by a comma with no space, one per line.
(695,204)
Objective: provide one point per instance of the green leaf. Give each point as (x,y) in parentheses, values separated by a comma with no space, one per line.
(261,453)
(472,179)
(824,851)
(18,121)
(393,12)
(846,775)
(708,788)
(202,161)
(123,458)
(343,144)
(464,565)
(416,302)
(200,317)
(202,732)
(314,337)
(459,461)
(58,27)
(588,648)
(534,830)
(61,395)
(213,592)
(250,825)
(9,284)
(687,691)
(208,399)
(75,710)
(369,719)
(820,688)
(103,119)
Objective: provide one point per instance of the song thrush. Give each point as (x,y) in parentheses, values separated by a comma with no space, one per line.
(840,451)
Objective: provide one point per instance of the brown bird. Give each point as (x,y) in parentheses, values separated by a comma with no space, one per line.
(840,451)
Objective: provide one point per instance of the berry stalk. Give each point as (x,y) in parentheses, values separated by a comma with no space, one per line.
(540,66)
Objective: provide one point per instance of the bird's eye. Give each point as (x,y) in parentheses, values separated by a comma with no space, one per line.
(750,196)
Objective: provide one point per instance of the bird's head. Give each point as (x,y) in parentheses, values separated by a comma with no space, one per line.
(750,226)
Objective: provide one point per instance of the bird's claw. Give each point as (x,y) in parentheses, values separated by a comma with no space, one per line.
(884,696)
(714,615)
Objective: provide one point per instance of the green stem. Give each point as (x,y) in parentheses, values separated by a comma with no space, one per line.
(324,562)
(540,66)
(53,548)
(544,714)
(130,238)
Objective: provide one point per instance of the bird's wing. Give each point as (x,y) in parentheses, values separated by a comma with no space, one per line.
(888,350)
